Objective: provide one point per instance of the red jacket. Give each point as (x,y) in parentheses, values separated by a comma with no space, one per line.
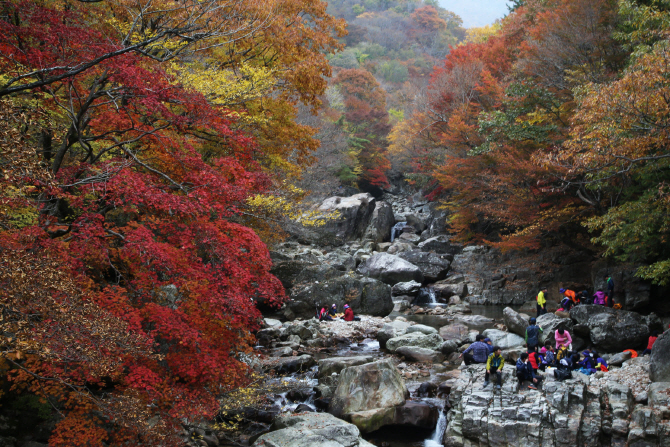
(348,314)
(652,340)
(533,359)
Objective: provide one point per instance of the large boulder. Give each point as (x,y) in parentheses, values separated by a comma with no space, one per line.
(365,296)
(304,429)
(455,331)
(423,355)
(391,330)
(659,368)
(437,244)
(610,329)
(417,222)
(390,269)
(433,266)
(349,218)
(422,328)
(367,387)
(410,288)
(379,229)
(504,339)
(417,339)
(336,364)
(516,322)
(550,323)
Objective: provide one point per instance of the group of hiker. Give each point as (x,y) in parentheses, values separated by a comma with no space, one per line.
(557,355)
(331,314)
(572,298)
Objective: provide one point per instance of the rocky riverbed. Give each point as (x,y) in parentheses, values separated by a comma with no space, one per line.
(398,370)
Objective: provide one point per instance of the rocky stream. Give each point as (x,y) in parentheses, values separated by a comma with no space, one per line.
(395,378)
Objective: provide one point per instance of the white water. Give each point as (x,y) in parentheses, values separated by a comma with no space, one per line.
(438,435)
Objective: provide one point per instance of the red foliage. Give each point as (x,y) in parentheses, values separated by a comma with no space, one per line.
(145,284)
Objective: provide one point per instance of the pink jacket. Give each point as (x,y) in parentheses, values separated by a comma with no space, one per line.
(562,340)
(599,298)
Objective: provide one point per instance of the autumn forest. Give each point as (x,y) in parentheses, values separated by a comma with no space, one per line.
(151,151)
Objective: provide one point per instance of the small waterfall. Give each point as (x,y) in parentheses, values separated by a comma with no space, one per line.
(425,297)
(397,230)
(438,435)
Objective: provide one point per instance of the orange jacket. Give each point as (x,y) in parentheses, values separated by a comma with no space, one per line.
(571,294)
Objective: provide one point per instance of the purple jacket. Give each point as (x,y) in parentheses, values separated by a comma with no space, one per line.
(599,298)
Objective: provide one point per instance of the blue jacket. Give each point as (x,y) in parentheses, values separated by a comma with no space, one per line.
(524,370)
(480,351)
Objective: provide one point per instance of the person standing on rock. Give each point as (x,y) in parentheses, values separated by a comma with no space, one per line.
(563,338)
(541,303)
(479,350)
(599,298)
(494,365)
(533,336)
(610,291)
(650,344)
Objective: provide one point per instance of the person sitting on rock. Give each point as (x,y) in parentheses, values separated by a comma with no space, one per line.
(524,372)
(599,298)
(333,310)
(494,365)
(575,360)
(563,338)
(589,362)
(479,350)
(650,344)
(585,297)
(324,316)
(533,336)
(574,300)
(549,354)
(601,364)
(348,313)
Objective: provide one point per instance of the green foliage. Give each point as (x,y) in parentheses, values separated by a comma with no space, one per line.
(345,59)
(358,9)
(30,403)
(638,231)
(393,71)
(396,114)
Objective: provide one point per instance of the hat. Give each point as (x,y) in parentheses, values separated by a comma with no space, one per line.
(334,305)
(532,321)
(486,340)
(346,306)
(543,350)
(561,290)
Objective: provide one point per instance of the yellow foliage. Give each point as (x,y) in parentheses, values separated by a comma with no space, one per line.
(481,34)
(226,87)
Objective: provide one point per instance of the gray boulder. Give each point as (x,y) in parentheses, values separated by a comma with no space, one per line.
(417,222)
(418,339)
(365,296)
(438,244)
(422,328)
(390,269)
(410,288)
(448,347)
(301,363)
(455,331)
(367,387)
(379,229)
(504,339)
(351,217)
(433,266)
(336,364)
(416,354)
(305,429)
(610,329)
(391,330)
(516,322)
(659,368)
